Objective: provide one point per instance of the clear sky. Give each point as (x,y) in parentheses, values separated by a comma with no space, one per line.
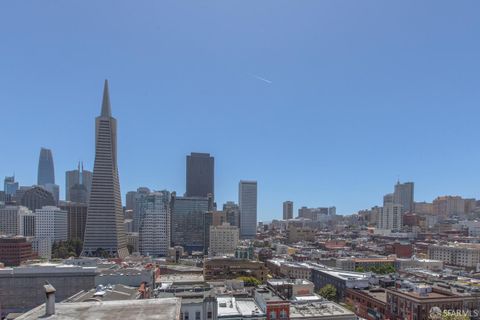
(323,102)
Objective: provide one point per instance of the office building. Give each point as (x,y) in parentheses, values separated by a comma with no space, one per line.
(247,200)
(404,196)
(80,181)
(317,214)
(154,231)
(77,219)
(10,186)
(15,250)
(287,210)
(46,173)
(200,175)
(26,223)
(232,213)
(138,207)
(130,200)
(105,231)
(51,222)
(36,197)
(190,222)
(10,217)
(223,239)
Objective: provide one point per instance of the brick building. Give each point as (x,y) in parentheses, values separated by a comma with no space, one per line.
(15,250)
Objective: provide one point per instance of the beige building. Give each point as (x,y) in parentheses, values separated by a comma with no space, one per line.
(223,239)
(449,205)
(460,254)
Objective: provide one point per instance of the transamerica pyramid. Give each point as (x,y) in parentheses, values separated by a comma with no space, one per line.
(105,232)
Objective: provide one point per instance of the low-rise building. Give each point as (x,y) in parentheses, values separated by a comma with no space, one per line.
(368,303)
(458,254)
(231,268)
(341,280)
(15,250)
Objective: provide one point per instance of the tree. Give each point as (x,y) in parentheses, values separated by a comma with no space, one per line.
(328,292)
(250,281)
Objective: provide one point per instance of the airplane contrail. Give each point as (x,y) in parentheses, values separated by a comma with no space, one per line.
(261,78)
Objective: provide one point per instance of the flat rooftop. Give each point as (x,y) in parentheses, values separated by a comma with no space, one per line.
(135,309)
(231,306)
(319,309)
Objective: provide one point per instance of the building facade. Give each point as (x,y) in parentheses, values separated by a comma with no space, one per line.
(223,239)
(51,222)
(404,196)
(200,175)
(81,181)
(287,210)
(190,223)
(105,233)
(77,219)
(247,200)
(154,234)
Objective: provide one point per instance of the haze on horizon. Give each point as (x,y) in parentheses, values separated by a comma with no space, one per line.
(327,103)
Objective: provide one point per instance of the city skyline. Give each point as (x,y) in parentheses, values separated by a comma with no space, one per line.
(208,96)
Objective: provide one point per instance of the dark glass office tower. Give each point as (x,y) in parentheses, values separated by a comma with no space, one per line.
(105,234)
(200,175)
(46,174)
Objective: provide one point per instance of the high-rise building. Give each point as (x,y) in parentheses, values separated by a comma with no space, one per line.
(46,173)
(36,197)
(10,219)
(390,216)
(10,186)
(287,210)
(200,175)
(52,223)
(247,200)
(105,231)
(77,219)
(26,223)
(81,181)
(130,200)
(190,222)
(403,195)
(223,239)
(232,213)
(138,207)
(154,234)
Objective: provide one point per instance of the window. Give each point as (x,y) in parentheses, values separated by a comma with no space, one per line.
(273,315)
(186,316)
(197,315)
(209,315)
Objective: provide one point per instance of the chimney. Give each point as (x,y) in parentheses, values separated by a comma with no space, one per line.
(49,299)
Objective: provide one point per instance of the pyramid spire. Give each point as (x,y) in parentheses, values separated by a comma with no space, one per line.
(106,108)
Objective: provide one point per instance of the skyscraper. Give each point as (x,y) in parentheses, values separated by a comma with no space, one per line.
(10,186)
(200,175)
(154,231)
(403,195)
(287,210)
(105,231)
(46,173)
(190,222)
(247,200)
(73,178)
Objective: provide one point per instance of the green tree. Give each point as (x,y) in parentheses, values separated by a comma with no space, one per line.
(328,292)
(250,281)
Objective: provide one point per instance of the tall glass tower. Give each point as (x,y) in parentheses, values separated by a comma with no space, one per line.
(46,173)
(105,234)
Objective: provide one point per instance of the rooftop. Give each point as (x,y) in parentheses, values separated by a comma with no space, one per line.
(318,309)
(132,309)
(231,306)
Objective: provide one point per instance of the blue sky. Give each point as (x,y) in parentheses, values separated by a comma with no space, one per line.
(359,93)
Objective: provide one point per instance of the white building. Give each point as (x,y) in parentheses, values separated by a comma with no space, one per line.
(390,216)
(51,222)
(247,200)
(10,219)
(223,239)
(154,230)
(458,254)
